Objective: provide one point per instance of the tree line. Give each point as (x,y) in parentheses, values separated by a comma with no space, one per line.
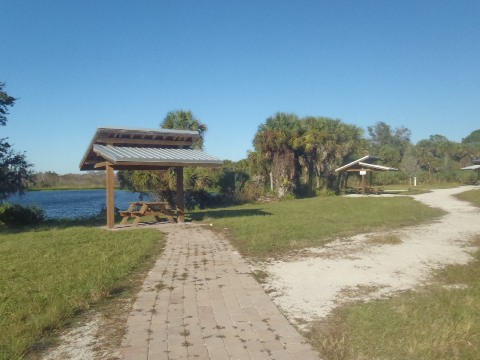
(290,156)
(298,156)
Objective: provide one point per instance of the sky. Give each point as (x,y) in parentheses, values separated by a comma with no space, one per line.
(78,65)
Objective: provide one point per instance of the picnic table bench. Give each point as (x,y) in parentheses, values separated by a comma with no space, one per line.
(139,209)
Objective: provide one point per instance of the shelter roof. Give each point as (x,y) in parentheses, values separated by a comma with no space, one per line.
(366,162)
(144,148)
(471,167)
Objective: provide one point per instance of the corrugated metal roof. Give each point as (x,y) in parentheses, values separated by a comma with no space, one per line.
(119,154)
(149,147)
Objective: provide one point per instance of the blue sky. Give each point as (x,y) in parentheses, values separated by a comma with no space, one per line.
(78,65)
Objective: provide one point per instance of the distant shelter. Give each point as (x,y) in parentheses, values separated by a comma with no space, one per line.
(363,166)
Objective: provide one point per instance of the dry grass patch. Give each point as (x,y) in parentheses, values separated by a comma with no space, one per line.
(384,239)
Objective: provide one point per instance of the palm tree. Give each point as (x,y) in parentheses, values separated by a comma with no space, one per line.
(277,141)
(185,120)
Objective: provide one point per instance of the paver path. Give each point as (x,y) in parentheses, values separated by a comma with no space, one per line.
(201,302)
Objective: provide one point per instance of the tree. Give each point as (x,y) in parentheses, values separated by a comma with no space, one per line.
(185,120)
(410,163)
(433,154)
(15,171)
(473,138)
(312,147)
(278,143)
(162,184)
(328,143)
(390,145)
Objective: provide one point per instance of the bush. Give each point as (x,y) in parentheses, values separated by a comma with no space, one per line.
(14,215)
(200,199)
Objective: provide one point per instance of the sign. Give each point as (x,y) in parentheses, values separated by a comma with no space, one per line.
(363,172)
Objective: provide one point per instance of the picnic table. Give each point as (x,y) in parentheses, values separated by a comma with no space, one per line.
(139,209)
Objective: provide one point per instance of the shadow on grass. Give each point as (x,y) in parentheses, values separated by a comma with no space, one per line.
(62,223)
(226,213)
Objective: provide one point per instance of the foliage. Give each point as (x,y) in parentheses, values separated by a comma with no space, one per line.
(5,101)
(309,148)
(472,138)
(185,120)
(15,170)
(14,215)
(390,145)
(49,274)
(52,180)
(162,184)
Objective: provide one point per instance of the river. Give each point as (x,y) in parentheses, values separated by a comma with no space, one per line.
(72,203)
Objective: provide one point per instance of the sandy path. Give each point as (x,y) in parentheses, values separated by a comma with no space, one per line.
(309,287)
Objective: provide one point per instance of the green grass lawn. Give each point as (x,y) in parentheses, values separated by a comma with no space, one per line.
(273,229)
(440,322)
(472,196)
(49,274)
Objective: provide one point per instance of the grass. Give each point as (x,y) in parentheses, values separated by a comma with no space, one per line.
(440,322)
(385,239)
(50,274)
(274,229)
(472,196)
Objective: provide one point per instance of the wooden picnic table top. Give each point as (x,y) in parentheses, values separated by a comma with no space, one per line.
(147,208)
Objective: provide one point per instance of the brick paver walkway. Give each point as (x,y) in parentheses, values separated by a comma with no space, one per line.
(200,302)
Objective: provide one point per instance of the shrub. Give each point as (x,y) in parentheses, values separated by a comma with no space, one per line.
(200,199)
(14,215)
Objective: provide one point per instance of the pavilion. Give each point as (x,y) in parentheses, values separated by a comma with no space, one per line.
(118,148)
(363,166)
(475,167)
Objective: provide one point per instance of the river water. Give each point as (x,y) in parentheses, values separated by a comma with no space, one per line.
(73,203)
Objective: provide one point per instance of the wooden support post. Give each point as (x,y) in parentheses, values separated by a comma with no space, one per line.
(180,196)
(364,184)
(110,196)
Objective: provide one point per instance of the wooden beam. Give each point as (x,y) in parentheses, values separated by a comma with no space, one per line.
(110,196)
(113,141)
(180,195)
(101,165)
(146,166)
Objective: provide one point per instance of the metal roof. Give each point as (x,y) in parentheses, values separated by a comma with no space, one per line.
(471,167)
(119,154)
(366,162)
(145,147)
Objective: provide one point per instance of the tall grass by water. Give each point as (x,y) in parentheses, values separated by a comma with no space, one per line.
(47,275)
(274,229)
